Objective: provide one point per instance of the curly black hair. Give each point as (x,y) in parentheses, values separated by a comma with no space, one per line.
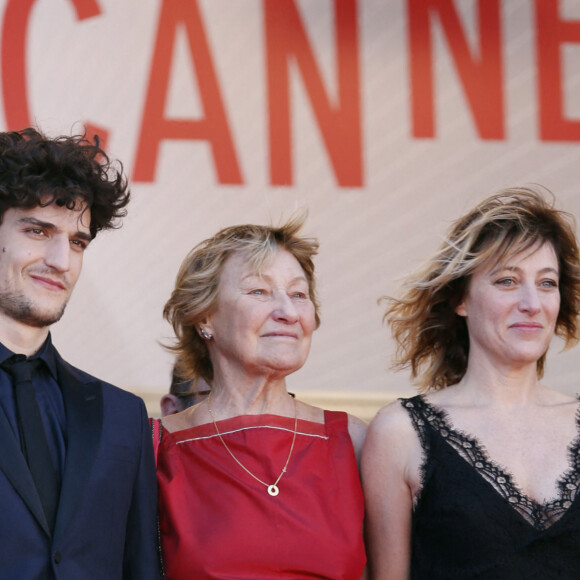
(36,170)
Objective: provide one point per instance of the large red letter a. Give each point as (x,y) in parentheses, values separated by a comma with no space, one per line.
(155,127)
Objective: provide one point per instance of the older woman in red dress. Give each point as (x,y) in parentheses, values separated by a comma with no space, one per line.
(254,483)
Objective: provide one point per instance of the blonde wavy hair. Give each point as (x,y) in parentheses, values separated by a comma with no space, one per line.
(431,338)
(197,285)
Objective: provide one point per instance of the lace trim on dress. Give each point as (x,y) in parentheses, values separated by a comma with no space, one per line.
(540,515)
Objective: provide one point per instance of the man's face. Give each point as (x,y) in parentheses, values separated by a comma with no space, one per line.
(41,254)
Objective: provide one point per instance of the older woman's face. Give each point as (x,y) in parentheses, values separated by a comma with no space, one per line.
(263,323)
(511,309)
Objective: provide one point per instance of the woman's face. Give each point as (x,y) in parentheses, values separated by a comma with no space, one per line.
(263,322)
(511,309)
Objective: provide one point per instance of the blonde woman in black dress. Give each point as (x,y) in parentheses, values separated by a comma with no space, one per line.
(478,476)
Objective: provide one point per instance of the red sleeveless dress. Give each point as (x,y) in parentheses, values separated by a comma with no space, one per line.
(216,521)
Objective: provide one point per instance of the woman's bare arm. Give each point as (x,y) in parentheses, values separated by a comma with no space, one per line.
(390,471)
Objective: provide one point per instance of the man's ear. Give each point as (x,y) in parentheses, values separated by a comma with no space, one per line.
(170,404)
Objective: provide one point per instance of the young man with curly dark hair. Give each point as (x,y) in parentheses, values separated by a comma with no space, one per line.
(77,482)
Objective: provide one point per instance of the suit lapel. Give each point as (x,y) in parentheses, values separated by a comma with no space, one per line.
(84,416)
(13,464)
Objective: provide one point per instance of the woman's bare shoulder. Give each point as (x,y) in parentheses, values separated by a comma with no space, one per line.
(561,408)
(357,429)
(191,417)
(392,449)
(391,419)
(391,435)
(308,412)
(554,397)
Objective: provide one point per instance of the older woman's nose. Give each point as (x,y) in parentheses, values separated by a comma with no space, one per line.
(284,308)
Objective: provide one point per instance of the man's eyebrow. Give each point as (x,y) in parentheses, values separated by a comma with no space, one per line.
(36,222)
(50,226)
(84,236)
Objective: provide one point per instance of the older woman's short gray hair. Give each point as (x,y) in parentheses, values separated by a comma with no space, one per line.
(197,284)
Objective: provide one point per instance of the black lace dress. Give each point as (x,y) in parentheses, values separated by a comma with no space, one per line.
(471,521)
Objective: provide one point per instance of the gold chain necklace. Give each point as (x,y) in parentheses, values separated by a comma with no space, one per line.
(273,489)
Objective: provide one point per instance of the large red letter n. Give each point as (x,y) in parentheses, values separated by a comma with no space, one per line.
(340,124)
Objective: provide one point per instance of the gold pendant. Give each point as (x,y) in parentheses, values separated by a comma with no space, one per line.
(273,490)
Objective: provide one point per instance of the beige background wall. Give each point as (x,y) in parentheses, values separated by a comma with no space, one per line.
(500,117)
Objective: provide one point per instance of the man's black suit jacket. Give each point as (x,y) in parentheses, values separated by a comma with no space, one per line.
(106,522)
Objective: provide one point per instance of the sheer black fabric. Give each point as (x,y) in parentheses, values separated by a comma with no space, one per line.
(470,521)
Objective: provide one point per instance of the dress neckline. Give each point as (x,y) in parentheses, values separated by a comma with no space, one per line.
(540,515)
(241,422)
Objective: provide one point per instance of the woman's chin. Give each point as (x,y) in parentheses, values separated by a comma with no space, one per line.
(281,367)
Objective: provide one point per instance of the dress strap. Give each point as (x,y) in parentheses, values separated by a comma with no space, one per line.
(416,408)
(335,421)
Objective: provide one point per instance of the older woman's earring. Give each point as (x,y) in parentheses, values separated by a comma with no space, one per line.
(205,334)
